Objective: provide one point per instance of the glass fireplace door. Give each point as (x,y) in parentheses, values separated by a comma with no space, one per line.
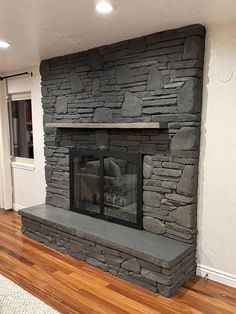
(107,185)
(120,189)
(86,184)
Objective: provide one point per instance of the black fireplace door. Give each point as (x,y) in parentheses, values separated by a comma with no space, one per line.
(107,185)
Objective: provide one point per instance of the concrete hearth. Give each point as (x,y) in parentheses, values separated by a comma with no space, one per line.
(149,260)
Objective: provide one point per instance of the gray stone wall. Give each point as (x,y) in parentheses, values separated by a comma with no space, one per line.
(153,78)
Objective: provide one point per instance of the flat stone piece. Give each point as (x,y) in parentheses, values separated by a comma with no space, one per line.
(44,91)
(179,198)
(114,260)
(151,182)
(61,104)
(185,139)
(96,263)
(153,225)
(48,152)
(157,189)
(157,249)
(172,165)
(95,86)
(167,172)
(160,102)
(95,59)
(155,210)
(131,265)
(76,82)
(137,45)
(149,266)
(180,231)
(193,48)
(147,148)
(102,115)
(48,172)
(155,110)
(152,198)
(188,182)
(113,125)
(154,78)
(44,68)
(148,160)
(123,74)
(169,184)
(176,117)
(156,277)
(76,247)
(60,201)
(190,96)
(147,167)
(167,291)
(185,64)
(132,105)
(151,275)
(185,216)
(147,171)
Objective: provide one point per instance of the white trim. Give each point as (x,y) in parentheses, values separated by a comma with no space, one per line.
(217,275)
(20,96)
(17,207)
(23,166)
(22,160)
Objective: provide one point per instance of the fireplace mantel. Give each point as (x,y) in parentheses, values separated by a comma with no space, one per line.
(134,125)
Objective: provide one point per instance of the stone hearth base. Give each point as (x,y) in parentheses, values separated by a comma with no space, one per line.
(152,261)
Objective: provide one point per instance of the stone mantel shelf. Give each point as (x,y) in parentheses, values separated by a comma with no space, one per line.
(134,125)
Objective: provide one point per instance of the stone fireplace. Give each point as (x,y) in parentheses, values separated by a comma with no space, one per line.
(122,130)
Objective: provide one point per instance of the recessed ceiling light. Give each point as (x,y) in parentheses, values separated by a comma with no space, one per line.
(4,44)
(104,7)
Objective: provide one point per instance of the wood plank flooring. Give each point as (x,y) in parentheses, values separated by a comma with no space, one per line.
(72,286)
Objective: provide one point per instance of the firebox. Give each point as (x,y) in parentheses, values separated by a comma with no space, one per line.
(107,185)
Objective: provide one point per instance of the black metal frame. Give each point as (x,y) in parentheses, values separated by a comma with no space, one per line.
(15,75)
(135,158)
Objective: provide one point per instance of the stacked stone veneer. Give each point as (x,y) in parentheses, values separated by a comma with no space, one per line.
(169,198)
(153,78)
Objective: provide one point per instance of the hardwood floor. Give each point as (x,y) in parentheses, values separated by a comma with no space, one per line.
(72,286)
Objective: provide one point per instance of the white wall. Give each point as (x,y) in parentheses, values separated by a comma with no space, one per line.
(217,178)
(29,183)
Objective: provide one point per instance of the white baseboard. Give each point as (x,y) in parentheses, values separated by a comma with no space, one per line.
(217,275)
(17,207)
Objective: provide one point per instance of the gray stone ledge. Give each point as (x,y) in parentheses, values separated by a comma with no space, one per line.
(132,125)
(152,248)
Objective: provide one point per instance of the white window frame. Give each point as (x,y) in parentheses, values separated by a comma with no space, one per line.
(19,162)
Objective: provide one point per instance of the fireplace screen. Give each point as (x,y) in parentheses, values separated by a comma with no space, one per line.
(107,185)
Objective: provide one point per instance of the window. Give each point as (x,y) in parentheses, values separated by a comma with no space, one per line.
(20,115)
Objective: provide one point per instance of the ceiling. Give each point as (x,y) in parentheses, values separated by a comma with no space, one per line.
(41,29)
